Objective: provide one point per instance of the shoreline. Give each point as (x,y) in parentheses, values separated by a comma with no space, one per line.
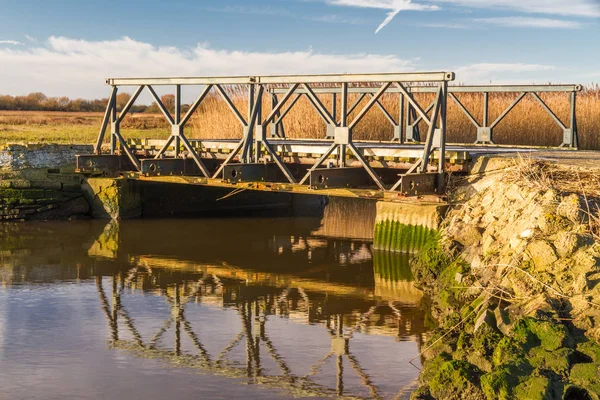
(512,282)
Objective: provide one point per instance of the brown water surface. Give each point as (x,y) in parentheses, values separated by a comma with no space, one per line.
(213,308)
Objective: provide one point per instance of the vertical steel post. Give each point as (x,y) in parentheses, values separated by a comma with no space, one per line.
(274,124)
(442,150)
(409,135)
(177,119)
(574,142)
(343,124)
(258,129)
(105,121)
(398,129)
(334,106)
(248,134)
(486,109)
(485,135)
(114,123)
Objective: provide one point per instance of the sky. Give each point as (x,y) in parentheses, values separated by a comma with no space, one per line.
(69,47)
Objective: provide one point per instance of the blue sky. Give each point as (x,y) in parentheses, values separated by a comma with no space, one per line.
(69,47)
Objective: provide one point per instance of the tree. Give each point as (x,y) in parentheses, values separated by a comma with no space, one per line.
(169,102)
(122,99)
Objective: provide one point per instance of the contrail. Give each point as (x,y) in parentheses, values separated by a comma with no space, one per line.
(386,21)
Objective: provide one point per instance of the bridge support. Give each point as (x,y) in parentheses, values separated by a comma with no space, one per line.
(406,227)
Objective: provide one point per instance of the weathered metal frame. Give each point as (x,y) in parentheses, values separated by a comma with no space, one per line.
(254,141)
(410,117)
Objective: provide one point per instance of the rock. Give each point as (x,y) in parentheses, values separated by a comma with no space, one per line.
(585,261)
(571,208)
(71,187)
(46,185)
(535,388)
(458,277)
(566,243)
(455,380)
(542,254)
(486,317)
(469,236)
(503,321)
(527,233)
(587,376)
(20,184)
(75,207)
(550,222)
(581,283)
(488,241)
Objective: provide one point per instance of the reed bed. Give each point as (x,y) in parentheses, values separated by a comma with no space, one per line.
(527,124)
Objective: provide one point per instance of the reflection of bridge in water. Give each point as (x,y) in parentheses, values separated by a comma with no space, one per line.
(354,317)
(341,317)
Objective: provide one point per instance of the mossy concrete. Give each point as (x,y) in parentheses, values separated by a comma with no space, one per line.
(406,227)
(41,194)
(113,198)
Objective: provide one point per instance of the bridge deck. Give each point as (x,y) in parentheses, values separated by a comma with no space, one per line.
(379,154)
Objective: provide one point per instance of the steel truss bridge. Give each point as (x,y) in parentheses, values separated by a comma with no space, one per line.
(255,305)
(411,162)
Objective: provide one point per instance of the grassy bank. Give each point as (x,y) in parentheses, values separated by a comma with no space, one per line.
(527,124)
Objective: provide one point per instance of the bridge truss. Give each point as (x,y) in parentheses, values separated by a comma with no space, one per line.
(260,152)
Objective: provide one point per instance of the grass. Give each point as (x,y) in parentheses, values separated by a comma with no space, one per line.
(72,127)
(527,124)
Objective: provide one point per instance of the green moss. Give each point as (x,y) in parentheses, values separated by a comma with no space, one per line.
(32,193)
(453,377)
(590,349)
(586,376)
(485,341)
(11,194)
(433,365)
(556,361)
(508,350)
(536,388)
(396,236)
(27,202)
(551,335)
(392,266)
(499,383)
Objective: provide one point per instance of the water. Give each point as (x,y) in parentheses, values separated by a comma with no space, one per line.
(236,308)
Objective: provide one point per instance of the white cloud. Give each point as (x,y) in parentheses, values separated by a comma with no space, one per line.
(11,42)
(394,7)
(502,73)
(573,8)
(338,19)
(446,26)
(581,8)
(31,39)
(77,68)
(528,22)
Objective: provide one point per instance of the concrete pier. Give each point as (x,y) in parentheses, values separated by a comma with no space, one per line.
(406,227)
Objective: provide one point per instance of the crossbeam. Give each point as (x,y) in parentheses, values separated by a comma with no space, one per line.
(286,79)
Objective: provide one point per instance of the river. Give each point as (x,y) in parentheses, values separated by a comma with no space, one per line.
(204,308)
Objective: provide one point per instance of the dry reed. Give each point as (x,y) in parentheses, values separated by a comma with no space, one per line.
(527,124)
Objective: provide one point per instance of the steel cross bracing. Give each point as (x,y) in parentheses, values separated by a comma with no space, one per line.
(255,144)
(406,123)
(256,148)
(254,314)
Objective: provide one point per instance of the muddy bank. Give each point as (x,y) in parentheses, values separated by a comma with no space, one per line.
(513,283)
